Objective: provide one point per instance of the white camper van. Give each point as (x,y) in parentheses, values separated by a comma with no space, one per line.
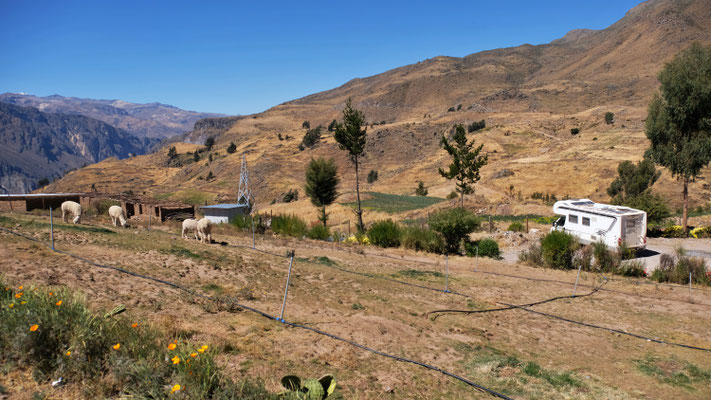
(594,222)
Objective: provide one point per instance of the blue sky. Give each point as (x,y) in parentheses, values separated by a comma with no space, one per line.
(244,57)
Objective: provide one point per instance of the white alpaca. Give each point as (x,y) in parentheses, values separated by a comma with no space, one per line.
(117,215)
(190,225)
(204,229)
(71,207)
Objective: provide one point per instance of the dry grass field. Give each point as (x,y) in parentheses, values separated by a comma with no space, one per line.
(521,354)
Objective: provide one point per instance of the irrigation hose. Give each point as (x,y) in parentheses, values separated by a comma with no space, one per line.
(271,317)
(609,329)
(443,312)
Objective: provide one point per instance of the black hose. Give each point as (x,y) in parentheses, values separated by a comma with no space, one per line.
(442,312)
(609,329)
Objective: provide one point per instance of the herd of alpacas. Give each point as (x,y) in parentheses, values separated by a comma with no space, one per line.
(201,229)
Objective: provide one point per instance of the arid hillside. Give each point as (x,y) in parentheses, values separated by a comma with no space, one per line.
(529,96)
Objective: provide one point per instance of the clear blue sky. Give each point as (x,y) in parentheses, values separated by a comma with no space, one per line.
(244,57)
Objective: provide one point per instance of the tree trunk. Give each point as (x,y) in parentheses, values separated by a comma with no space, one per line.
(323,216)
(361,228)
(685,195)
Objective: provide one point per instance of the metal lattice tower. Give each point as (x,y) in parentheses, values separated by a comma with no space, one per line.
(244,195)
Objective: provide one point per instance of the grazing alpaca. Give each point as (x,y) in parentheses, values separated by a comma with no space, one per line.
(71,207)
(117,215)
(190,225)
(204,228)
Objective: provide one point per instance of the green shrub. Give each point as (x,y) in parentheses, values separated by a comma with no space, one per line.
(454,225)
(55,334)
(319,232)
(533,255)
(289,225)
(605,260)
(633,268)
(476,126)
(516,227)
(243,222)
(486,248)
(609,118)
(422,239)
(452,195)
(372,176)
(384,234)
(558,248)
(574,131)
(676,269)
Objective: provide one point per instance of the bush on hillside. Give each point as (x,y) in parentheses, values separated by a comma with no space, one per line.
(384,234)
(289,225)
(516,227)
(558,248)
(372,176)
(533,255)
(319,232)
(483,248)
(676,269)
(454,225)
(422,239)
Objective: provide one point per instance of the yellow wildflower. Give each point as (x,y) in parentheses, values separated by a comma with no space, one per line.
(59,303)
(175,360)
(175,388)
(23,302)
(11,305)
(34,327)
(69,353)
(193,355)
(116,346)
(171,346)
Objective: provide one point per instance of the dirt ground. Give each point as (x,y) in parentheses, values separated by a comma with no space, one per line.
(518,353)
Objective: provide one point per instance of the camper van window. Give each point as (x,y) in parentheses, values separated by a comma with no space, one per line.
(573,219)
(586,221)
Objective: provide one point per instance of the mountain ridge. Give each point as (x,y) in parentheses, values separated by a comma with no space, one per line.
(36,145)
(152,120)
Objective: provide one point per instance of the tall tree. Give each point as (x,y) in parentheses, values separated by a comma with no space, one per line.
(632,180)
(209,142)
(321,183)
(679,119)
(466,162)
(350,136)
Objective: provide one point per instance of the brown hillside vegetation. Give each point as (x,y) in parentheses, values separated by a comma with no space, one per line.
(530,97)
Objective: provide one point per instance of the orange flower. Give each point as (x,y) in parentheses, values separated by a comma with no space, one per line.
(171,346)
(193,355)
(116,346)
(69,353)
(59,303)
(50,293)
(18,295)
(134,325)
(34,327)
(20,287)
(175,388)
(11,305)
(187,361)
(175,360)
